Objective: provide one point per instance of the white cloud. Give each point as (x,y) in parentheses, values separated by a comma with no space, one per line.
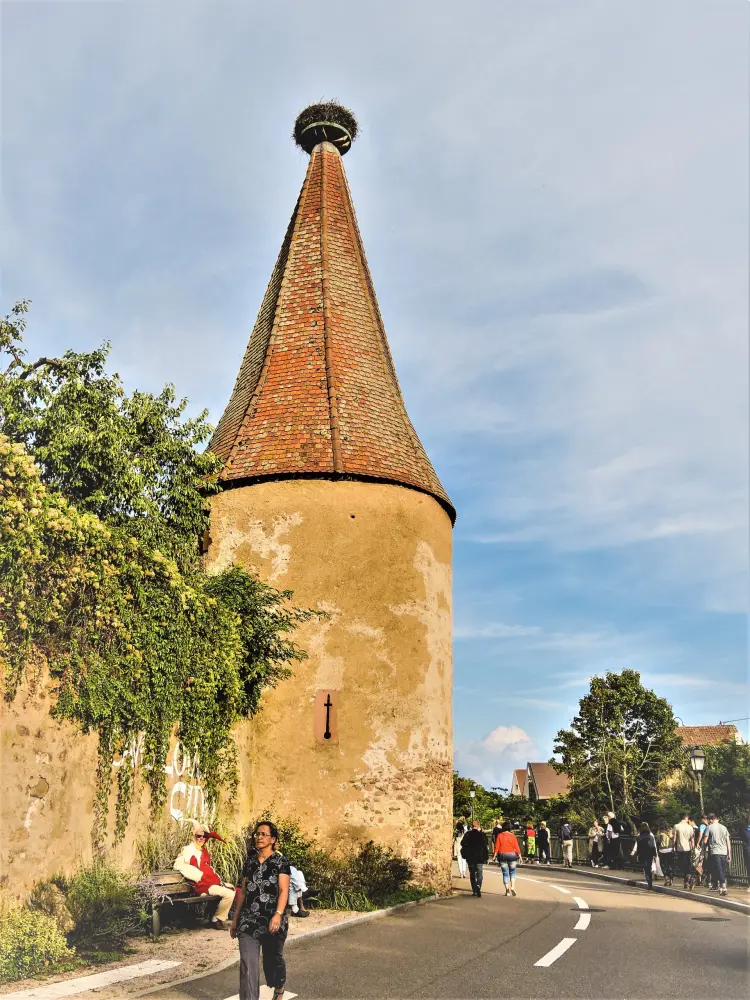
(491,760)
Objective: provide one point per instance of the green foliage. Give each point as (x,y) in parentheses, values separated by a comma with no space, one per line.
(100,580)
(363,877)
(726,782)
(130,460)
(29,942)
(106,905)
(488,803)
(161,844)
(48,897)
(379,871)
(620,746)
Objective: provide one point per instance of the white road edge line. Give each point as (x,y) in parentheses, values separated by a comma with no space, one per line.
(583,921)
(557,951)
(581,903)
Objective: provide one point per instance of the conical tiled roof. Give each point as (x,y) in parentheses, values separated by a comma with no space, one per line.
(317,393)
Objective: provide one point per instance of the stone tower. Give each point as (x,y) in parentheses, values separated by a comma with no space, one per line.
(328,492)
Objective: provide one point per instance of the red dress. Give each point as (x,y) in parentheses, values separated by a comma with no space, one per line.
(208,875)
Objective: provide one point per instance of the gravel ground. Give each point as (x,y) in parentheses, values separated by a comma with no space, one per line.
(198,950)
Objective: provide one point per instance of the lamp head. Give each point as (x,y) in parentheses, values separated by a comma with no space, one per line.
(697,760)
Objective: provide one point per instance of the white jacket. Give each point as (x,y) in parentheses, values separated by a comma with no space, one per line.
(187,862)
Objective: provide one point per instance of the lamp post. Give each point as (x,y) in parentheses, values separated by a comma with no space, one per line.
(698,762)
(472,796)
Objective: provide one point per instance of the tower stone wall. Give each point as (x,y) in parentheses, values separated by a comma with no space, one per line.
(377,559)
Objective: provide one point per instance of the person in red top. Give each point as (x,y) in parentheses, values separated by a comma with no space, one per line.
(507,854)
(194,862)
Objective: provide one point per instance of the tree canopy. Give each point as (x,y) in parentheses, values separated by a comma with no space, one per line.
(620,745)
(101,506)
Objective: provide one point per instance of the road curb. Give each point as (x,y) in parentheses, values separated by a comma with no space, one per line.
(719,901)
(304,936)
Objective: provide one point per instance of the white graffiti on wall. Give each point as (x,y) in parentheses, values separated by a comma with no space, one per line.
(187,800)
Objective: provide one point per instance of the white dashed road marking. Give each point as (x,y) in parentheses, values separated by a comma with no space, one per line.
(557,951)
(583,921)
(560,888)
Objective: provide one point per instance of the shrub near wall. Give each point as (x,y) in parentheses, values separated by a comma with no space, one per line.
(29,942)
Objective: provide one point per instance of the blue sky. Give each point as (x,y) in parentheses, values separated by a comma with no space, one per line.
(554,203)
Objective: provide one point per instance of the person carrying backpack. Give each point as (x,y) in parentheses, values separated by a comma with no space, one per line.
(646,850)
(566,843)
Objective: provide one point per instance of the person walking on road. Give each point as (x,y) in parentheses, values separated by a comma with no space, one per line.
(566,843)
(458,836)
(507,853)
(720,846)
(474,849)
(542,839)
(260,922)
(683,841)
(646,850)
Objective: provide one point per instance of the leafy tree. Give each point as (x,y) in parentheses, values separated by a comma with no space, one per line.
(726,781)
(488,804)
(131,460)
(621,744)
(101,505)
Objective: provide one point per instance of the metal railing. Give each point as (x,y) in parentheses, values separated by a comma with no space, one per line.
(737,873)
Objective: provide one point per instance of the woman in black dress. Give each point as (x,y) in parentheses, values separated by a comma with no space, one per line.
(260,921)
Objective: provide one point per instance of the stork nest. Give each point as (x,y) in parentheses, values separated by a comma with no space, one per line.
(326,111)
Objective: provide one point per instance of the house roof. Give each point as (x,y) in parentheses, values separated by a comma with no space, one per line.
(519,778)
(317,393)
(707,736)
(547,781)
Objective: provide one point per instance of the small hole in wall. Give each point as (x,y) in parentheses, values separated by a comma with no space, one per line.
(352,515)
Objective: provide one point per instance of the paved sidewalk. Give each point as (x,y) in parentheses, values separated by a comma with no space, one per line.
(736,899)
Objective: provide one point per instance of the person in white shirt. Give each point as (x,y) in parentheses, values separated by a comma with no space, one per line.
(683,841)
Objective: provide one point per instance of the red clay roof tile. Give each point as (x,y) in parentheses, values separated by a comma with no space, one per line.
(317,391)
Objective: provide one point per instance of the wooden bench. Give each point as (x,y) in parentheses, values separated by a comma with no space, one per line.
(170,888)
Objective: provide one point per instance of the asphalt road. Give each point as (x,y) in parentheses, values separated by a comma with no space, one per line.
(593,940)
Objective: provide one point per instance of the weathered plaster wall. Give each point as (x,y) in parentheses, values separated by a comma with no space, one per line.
(47,774)
(377,558)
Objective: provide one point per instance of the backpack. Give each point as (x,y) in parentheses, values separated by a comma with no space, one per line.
(566,831)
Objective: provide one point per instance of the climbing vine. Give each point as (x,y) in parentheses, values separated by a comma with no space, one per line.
(100,581)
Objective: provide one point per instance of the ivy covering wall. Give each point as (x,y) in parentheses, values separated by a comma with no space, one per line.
(102,503)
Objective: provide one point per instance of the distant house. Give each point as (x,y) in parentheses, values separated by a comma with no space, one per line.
(539,782)
(518,785)
(695,737)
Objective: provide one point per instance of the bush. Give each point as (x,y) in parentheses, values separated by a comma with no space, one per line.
(363,878)
(48,897)
(105,904)
(378,871)
(161,845)
(29,941)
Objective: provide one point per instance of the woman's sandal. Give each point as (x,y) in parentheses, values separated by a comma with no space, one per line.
(278,994)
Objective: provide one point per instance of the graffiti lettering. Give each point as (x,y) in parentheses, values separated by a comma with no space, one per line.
(187,800)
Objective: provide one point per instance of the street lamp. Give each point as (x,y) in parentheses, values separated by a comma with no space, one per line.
(698,762)
(472,796)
